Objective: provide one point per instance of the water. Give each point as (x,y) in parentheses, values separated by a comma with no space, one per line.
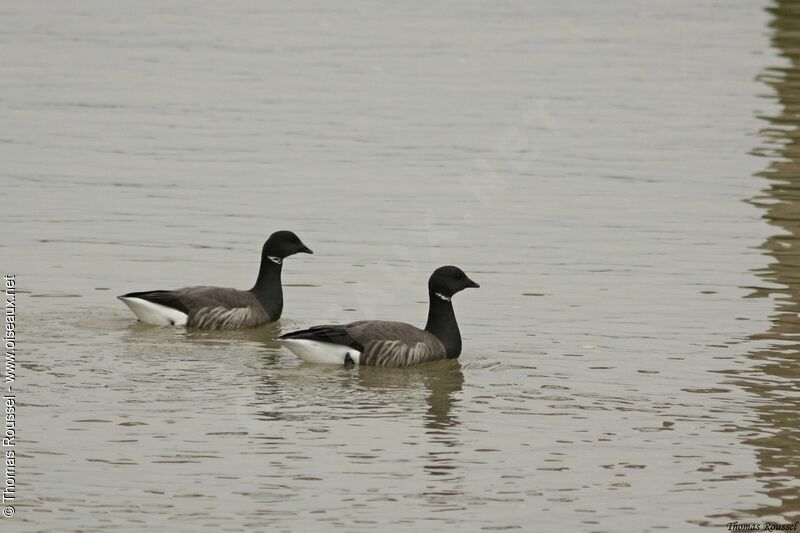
(620,179)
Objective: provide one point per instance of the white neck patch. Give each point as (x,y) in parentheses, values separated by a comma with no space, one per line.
(276,260)
(442,296)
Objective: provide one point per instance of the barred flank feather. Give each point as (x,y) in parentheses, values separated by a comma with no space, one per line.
(398,354)
(222,318)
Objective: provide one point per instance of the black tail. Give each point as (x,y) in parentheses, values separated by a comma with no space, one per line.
(331,334)
(166,298)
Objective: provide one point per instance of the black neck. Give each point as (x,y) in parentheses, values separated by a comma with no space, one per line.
(268,288)
(442,323)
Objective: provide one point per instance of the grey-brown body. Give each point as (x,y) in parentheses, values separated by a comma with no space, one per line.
(221,308)
(394,343)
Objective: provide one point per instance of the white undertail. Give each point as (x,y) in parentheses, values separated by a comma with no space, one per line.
(156,314)
(321,352)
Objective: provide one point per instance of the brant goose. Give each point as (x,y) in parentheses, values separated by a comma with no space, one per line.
(381,343)
(218,307)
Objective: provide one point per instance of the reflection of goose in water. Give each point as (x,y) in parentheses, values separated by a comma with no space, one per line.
(160,343)
(777,370)
(311,392)
(423,397)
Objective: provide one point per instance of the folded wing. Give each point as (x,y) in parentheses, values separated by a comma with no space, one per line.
(209,307)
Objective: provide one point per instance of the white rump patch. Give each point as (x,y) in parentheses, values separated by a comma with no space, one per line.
(325,353)
(156,314)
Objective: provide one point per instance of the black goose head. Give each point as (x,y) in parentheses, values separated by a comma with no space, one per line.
(282,244)
(448,280)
